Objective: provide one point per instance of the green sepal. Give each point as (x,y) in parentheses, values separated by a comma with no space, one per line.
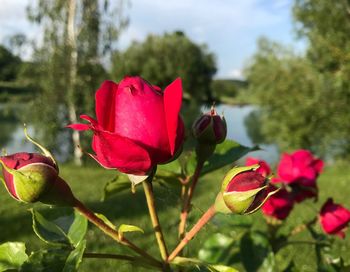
(239,202)
(33,180)
(220,205)
(234,172)
(46,152)
(263,202)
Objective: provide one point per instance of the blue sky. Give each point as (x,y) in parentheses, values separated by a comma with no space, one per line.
(230,28)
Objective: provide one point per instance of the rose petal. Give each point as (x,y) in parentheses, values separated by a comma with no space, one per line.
(334,217)
(105,105)
(285,168)
(114,151)
(79,127)
(172,106)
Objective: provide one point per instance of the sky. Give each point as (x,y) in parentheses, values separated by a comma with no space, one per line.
(230,28)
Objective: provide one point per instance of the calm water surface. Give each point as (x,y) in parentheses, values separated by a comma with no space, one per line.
(236,130)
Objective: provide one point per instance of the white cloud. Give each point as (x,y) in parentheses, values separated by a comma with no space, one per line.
(230,28)
(236,74)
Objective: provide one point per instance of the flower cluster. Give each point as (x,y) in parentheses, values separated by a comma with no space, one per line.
(297,175)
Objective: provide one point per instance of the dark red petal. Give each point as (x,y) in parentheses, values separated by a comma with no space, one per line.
(105,105)
(114,151)
(172,106)
(246,181)
(318,165)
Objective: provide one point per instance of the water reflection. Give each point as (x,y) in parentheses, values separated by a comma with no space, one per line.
(12,138)
(238,127)
(242,127)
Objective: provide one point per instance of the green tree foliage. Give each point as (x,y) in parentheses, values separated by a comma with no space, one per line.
(68,63)
(304,98)
(9,65)
(161,59)
(288,90)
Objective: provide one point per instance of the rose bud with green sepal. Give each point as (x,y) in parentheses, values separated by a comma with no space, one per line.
(209,130)
(32,177)
(244,190)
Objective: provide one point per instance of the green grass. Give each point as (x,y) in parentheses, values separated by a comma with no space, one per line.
(128,208)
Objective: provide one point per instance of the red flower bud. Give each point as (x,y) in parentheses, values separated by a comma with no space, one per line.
(210,128)
(243,191)
(264,168)
(278,205)
(32,177)
(28,175)
(334,218)
(138,126)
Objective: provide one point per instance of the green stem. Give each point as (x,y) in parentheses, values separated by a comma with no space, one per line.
(187,200)
(109,256)
(303,227)
(92,255)
(148,188)
(111,232)
(196,228)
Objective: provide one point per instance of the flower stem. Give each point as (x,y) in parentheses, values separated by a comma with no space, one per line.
(111,232)
(196,228)
(148,188)
(92,255)
(187,200)
(108,256)
(303,227)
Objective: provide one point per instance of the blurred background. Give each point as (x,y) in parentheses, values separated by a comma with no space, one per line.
(278,70)
(249,57)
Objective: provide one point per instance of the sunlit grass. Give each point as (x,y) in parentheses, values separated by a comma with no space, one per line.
(128,208)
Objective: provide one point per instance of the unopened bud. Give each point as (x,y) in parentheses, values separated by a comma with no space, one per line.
(243,191)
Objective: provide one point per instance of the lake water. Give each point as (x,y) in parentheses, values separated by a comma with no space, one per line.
(236,130)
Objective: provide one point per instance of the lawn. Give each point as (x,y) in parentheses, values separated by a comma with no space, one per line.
(128,208)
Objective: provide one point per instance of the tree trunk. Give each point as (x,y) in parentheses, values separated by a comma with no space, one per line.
(73,61)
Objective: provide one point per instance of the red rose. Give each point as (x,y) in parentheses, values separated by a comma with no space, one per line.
(334,218)
(300,170)
(279,205)
(264,168)
(138,126)
(299,167)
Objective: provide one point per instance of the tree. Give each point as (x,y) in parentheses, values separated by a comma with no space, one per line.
(161,59)
(68,66)
(289,91)
(9,65)
(304,98)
